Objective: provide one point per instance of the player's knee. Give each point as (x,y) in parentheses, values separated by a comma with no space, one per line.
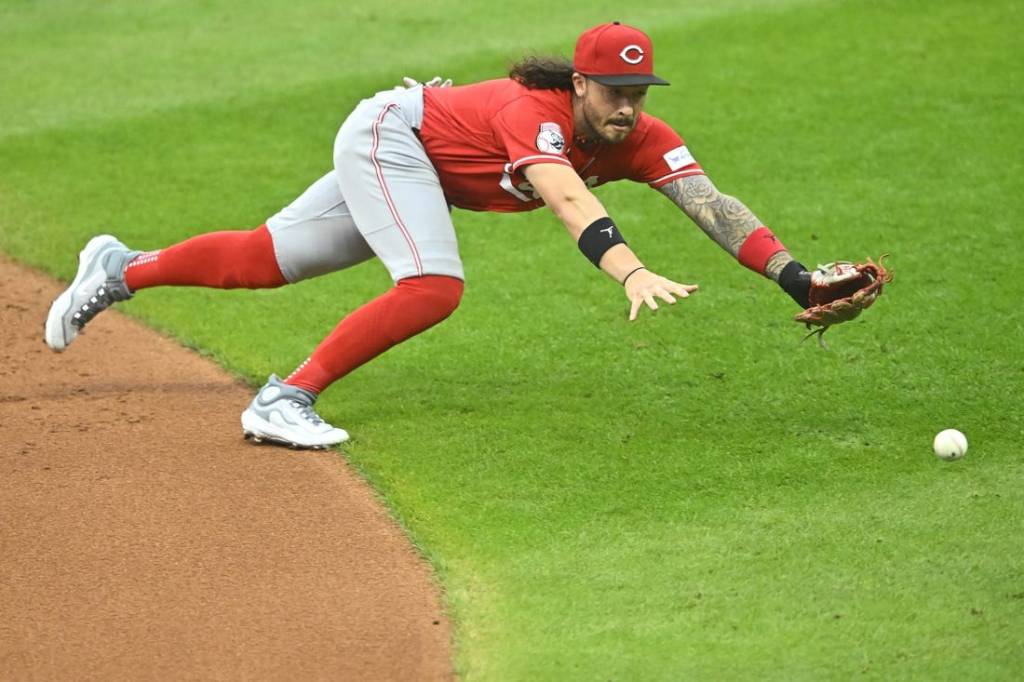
(452,293)
(256,261)
(439,295)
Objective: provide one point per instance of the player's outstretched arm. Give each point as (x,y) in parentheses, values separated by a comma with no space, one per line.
(597,236)
(736,229)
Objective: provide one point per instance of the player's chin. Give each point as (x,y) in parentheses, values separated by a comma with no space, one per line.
(616,133)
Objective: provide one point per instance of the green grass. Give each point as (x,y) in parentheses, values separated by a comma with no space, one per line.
(692,496)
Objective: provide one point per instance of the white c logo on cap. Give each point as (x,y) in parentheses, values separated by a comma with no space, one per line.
(637,54)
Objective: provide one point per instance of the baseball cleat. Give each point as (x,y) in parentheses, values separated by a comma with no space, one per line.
(99,282)
(284,415)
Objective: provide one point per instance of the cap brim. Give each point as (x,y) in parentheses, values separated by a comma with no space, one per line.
(629,79)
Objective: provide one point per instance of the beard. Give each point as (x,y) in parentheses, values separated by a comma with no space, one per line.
(613,129)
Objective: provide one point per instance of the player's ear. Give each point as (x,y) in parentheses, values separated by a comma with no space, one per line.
(579,84)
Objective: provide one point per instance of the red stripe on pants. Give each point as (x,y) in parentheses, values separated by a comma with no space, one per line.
(387,194)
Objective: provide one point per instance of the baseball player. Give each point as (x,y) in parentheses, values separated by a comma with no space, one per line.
(544,136)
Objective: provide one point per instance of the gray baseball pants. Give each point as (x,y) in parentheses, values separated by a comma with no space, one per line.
(383,199)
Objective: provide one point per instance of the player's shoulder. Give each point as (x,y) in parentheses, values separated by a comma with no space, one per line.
(650,128)
(506,87)
(650,139)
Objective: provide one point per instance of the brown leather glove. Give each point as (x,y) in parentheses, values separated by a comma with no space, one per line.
(840,291)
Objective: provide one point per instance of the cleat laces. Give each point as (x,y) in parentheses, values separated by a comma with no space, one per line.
(99,302)
(307,412)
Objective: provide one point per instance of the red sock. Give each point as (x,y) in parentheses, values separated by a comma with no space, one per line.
(221,260)
(414,305)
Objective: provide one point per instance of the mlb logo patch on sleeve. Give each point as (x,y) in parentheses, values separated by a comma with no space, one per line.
(679,157)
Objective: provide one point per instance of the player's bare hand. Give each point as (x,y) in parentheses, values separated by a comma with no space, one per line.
(646,287)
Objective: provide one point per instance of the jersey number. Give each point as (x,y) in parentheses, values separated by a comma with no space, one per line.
(520,191)
(524,191)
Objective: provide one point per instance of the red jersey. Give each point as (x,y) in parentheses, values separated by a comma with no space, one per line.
(480,136)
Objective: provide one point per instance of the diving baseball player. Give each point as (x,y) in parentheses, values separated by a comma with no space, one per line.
(544,136)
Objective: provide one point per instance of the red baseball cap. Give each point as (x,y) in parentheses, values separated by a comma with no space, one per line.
(616,54)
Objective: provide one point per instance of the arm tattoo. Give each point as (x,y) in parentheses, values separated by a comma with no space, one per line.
(723,218)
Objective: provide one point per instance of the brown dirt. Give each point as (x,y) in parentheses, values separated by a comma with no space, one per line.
(142,538)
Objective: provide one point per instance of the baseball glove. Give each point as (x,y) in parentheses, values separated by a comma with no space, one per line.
(840,291)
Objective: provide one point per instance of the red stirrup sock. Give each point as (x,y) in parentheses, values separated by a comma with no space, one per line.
(412,306)
(221,260)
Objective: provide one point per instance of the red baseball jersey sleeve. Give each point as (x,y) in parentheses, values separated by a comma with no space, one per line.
(653,153)
(531,132)
(661,156)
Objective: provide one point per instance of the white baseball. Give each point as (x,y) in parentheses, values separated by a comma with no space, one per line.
(950,444)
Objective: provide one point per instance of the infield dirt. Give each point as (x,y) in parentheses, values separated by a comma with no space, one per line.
(142,538)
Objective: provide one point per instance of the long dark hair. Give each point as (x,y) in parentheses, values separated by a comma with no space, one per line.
(543,73)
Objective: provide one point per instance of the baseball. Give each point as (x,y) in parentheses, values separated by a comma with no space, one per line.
(950,444)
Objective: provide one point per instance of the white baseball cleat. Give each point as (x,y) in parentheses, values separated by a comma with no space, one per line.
(98,284)
(284,414)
